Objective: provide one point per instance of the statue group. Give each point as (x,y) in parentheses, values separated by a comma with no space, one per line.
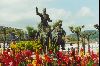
(50,37)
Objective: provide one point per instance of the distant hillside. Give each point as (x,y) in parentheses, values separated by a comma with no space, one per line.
(94,37)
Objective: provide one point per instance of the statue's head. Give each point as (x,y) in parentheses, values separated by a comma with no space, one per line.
(44,11)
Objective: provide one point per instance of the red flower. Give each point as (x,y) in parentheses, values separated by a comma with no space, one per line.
(59,62)
(29,64)
(59,55)
(76,52)
(81,49)
(39,60)
(70,52)
(5,53)
(65,59)
(17,62)
(94,56)
(50,52)
(78,59)
(94,65)
(28,53)
(37,55)
(78,65)
(48,59)
(18,56)
(7,60)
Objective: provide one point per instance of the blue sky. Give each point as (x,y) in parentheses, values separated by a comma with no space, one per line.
(21,13)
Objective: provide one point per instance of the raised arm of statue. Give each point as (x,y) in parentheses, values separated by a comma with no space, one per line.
(38,12)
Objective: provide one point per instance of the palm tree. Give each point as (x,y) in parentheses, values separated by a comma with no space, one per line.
(83,37)
(77,31)
(87,36)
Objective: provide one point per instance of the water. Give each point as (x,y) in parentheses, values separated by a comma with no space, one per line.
(93,46)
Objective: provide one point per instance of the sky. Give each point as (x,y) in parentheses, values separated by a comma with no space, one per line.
(22,13)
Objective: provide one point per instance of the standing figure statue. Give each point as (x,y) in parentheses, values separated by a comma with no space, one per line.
(44,18)
(59,37)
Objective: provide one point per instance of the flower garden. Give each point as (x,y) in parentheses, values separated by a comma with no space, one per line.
(23,54)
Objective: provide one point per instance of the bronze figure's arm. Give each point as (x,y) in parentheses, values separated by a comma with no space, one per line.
(38,12)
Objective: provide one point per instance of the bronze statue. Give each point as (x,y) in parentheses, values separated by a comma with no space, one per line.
(44,17)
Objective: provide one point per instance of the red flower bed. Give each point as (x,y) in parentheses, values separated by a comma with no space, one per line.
(25,57)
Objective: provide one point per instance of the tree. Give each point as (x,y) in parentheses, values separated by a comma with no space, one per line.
(31,32)
(56,23)
(87,36)
(83,37)
(77,31)
(96,26)
(3,29)
(72,38)
(19,33)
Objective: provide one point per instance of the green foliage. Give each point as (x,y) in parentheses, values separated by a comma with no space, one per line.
(31,31)
(20,45)
(8,30)
(19,33)
(72,38)
(24,45)
(76,30)
(94,37)
(96,26)
(57,23)
(29,45)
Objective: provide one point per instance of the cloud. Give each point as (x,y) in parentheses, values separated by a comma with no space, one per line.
(20,13)
(91,25)
(11,17)
(85,12)
(15,12)
(56,14)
